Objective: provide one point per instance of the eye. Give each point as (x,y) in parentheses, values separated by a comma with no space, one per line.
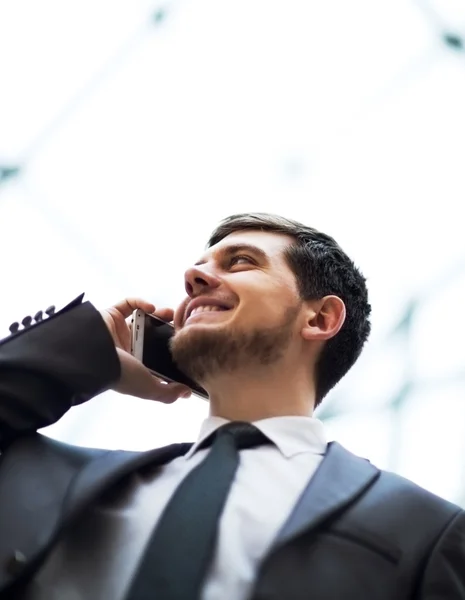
(239,258)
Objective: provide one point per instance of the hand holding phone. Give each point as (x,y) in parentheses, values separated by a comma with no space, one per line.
(136,379)
(151,337)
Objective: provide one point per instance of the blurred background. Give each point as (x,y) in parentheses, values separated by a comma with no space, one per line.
(128,128)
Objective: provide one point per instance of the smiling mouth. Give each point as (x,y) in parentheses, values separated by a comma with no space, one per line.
(206,310)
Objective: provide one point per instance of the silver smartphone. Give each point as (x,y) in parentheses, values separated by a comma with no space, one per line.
(150,345)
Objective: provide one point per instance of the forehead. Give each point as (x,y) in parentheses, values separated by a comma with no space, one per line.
(269,243)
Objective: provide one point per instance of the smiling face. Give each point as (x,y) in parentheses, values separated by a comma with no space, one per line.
(242,306)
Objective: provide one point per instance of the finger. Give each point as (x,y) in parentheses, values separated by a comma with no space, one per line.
(127,306)
(137,380)
(170,392)
(165,314)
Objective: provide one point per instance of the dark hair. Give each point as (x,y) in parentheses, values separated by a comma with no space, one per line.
(321,268)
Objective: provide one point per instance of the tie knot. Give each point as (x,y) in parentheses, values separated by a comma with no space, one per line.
(245,434)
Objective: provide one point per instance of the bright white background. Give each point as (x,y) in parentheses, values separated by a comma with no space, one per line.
(136,126)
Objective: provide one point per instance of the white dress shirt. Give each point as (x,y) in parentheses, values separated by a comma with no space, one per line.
(99,555)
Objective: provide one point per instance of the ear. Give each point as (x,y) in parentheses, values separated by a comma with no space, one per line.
(325,318)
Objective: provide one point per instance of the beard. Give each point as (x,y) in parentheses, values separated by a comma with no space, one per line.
(208,351)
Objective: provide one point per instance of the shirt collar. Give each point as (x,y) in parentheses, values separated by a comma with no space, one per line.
(292,435)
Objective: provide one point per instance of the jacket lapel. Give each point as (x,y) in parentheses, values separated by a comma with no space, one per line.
(340,479)
(107,470)
(44,484)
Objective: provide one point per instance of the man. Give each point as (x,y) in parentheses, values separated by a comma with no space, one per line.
(261,508)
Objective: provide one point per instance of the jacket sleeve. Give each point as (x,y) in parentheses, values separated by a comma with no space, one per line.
(53,365)
(444,577)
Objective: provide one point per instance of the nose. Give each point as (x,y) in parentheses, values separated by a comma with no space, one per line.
(198,281)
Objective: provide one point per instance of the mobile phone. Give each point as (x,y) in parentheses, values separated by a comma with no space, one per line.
(150,345)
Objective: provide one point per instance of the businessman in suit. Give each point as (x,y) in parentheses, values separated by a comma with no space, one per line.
(260,507)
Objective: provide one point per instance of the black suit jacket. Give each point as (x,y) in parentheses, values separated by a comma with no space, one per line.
(356,532)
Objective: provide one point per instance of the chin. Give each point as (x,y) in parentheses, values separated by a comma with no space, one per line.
(196,349)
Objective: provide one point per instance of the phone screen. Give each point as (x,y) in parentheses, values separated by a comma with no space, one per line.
(157,355)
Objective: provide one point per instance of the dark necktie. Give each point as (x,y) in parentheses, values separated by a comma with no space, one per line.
(181,547)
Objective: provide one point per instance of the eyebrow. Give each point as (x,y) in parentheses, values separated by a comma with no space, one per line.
(235,248)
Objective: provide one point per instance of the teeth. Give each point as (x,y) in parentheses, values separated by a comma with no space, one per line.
(210,308)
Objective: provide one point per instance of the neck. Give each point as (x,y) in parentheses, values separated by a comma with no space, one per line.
(260,394)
